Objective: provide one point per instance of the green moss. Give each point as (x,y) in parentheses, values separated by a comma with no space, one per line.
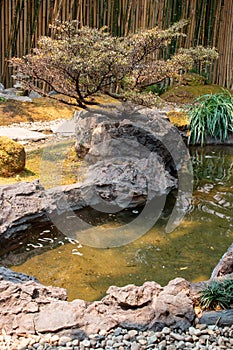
(187,94)
(179,119)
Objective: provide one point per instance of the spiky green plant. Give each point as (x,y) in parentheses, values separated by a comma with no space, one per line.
(217,293)
(211,115)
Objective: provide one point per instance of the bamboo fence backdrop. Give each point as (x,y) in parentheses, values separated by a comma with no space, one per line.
(211,24)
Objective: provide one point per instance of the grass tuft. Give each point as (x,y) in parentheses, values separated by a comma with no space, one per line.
(211,115)
(218,294)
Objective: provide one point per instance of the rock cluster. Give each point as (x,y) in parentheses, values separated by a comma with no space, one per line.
(33,316)
(27,307)
(196,338)
(13,94)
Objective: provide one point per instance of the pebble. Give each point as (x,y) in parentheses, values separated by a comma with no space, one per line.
(196,338)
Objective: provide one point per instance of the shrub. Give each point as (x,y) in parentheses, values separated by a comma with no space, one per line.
(217,294)
(211,115)
(79,62)
(12,157)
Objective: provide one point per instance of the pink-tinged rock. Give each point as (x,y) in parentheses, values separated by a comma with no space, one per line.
(131,295)
(59,315)
(173,307)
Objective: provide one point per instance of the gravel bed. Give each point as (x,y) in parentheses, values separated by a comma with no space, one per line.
(201,337)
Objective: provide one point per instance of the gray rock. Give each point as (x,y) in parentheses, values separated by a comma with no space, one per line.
(15,277)
(10,95)
(25,203)
(125,151)
(34,94)
(66,127)
(225,265)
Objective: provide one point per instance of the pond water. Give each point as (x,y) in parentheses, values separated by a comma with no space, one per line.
(191,251)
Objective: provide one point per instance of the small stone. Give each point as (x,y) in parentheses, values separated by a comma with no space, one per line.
(63,340)
(126,342)
(102,332)
(109,342)
(194,331)
(171,347)
(126,336)
(201,326)
(135,346)
(210,331)
(158,334)
(24,342)
(181,345)
(75,342)
(176,336)
(189,345)
(132,333)
(86,343)
(195,338)
(221,341)
(166,330)
(162,345)
(142,341)
(118,331)
(40,347)
(152,339)
(54,338)
(188,338)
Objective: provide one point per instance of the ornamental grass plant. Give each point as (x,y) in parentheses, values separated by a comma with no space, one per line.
(211,115)
(217,294)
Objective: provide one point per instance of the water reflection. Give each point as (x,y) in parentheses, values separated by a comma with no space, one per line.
(191,251)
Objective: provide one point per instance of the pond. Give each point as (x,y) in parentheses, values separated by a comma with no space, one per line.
(191,251)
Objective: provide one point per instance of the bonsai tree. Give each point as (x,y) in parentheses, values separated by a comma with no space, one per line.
(79,62)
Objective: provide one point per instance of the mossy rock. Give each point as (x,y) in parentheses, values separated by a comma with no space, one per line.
(187,94)
(191,79)
(12,157)
(179,119)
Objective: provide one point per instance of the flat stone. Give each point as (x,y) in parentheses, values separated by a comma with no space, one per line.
(66,128)
(21,134)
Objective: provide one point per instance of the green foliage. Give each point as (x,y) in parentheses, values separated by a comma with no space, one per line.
(211,115)
(217,294)
(2,99)
(79,62)
(155,89)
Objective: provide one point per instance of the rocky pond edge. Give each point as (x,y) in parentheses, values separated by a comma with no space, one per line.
(30,309)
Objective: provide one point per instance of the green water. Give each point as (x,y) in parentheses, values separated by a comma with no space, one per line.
(191,251)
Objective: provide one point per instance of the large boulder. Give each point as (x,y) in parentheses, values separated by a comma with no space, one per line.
(25,204)
(12,157)
(130,155)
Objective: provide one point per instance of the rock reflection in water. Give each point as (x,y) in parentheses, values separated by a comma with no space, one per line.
(191,251)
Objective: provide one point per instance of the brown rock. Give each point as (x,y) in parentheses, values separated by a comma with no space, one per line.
(26,306)
(132,296)
(59,315)
(173,307)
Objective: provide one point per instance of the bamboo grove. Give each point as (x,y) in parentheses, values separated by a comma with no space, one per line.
(210,24)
